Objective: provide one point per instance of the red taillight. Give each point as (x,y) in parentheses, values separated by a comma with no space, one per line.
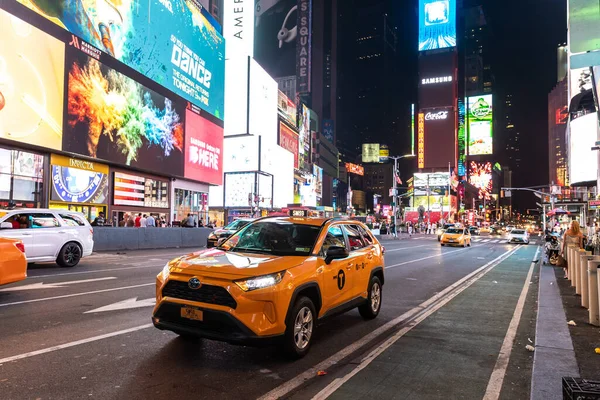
(91,231)
(382,250)
(20,246)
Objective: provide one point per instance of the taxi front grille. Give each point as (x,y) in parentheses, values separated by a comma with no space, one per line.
(205,294)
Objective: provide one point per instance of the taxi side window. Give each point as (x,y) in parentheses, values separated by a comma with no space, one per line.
(354,237)
(366,235)
(335,237)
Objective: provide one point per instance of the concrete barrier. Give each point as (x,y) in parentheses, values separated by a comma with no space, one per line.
(109,239)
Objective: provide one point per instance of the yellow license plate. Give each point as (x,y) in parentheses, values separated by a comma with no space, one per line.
(192,313)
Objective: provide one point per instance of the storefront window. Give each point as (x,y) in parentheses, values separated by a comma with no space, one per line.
(191,202)
(21,177)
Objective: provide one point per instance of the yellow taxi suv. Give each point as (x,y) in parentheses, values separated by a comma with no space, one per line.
(456,237)
(273,281)
(13,264)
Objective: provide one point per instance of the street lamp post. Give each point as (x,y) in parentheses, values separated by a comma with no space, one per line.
(395,186)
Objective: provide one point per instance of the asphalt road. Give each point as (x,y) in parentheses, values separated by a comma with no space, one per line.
(86,332)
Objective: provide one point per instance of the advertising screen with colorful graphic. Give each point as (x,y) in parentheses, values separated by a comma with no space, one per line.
(304,140)
(203,149)
(437,24)
(78,181)
(481,125)
(168,41)
(31,84)
(436,183)
(287,108)
(139,191)
(480,175)
(288,139)
(112,117)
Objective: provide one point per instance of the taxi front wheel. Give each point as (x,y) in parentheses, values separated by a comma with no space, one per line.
(300,328)
(371,308)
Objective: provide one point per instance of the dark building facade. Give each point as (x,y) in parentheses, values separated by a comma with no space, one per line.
(557,130)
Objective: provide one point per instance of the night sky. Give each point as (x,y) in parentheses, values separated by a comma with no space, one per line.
(527,33)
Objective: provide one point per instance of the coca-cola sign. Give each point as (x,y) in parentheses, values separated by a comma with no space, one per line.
(436,116)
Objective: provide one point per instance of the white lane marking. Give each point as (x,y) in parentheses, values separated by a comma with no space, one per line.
(125,305)
(443,300)
(476,240)
(72,344)
(485,241)
(497,379)
(99,270)
(42,285)
(405,248)
(495,241)
(424,258)
(310,373)
(74,295)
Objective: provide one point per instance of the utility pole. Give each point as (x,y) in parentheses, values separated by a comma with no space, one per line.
(395,186)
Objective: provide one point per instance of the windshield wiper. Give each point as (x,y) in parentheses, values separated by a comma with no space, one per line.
(250,250)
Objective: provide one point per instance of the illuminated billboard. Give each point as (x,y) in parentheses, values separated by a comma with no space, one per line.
(370,152)
(355,169)
(262,113)
(480,125)
(171,43)
(584,26)
(31,84)
(437,182)
(421,141)
(112,117)
(288,139)
(203,149)
(480,175)
(238,28)
(437,24)
(439,137)
(287,108)
(304,141)
(583,161)
(78,181)
(438,83)
(580,81)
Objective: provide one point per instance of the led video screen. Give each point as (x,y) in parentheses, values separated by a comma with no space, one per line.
(31,84)
(437,24)
(112,117)
(480,175)
(481,125)
(170,42)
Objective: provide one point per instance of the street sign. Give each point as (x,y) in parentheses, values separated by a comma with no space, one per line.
(507,193)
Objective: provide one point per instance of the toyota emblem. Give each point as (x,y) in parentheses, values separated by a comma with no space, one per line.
(194,283)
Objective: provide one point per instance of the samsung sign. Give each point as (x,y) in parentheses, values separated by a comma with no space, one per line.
(439,79)
(436,116)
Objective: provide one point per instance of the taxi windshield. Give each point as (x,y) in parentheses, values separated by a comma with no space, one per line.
(518,232)
(237,224)
(454,231)
(274,237)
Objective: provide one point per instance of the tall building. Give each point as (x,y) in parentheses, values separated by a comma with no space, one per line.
(369,107)
(558,117)
(477,38)
(511,136)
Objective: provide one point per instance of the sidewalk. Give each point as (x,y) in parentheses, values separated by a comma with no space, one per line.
(453,353)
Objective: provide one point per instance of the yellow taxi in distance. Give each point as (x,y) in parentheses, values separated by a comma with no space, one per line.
(13,264)
(272,281)
(456,237)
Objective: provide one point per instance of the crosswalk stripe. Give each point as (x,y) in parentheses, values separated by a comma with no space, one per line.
(495,241)
(485,241)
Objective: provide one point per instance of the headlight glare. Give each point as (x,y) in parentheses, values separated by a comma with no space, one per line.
(164,275)
(212,236)
(260,282)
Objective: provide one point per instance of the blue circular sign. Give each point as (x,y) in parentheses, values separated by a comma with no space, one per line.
(75,185)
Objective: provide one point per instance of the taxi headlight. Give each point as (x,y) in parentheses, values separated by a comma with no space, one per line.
(164,274)
(260,282)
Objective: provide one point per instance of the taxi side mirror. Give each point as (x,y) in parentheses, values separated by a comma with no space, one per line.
(6,225)
(336,253)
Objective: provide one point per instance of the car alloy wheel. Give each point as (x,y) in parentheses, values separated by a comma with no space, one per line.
(72,253)
(303,328)
(375,297)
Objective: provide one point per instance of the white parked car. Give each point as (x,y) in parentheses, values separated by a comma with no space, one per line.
(518,236)
(49,235)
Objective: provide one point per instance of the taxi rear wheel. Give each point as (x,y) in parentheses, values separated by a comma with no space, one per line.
(371,308)
(300,328)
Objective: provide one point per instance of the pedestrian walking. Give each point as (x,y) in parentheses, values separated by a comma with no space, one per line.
(143,221)
(137,220)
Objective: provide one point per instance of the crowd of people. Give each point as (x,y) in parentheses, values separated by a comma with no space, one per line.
(142,220)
